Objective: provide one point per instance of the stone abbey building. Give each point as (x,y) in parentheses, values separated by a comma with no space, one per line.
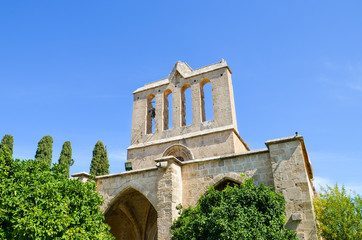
(176,165)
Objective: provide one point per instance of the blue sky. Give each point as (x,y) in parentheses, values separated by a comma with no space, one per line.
(68,69)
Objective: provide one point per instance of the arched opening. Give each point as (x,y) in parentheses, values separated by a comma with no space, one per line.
(132,216)
(186,105)
(180,152)
(167,109)
(226,182)
(151,114)
(207,112)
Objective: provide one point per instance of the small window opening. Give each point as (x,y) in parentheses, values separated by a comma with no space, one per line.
(151,114)
(186,105)
(206,100)
(221,186)
(167,110)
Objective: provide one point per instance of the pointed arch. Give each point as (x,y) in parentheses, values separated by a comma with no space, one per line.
(207,111)
(132,216)
(179,151)
(167,109)
(186,101)
(218,180)
(226,182)
(150,115)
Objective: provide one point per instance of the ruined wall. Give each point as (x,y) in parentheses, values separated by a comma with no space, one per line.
(206,144)
(213,152)
(283,165)
(152,98)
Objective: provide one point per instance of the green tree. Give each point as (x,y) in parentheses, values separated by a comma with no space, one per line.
(45,150)
(8,142)
(338,214)
(240,212)
(37,202)
(99,164)
(66,157)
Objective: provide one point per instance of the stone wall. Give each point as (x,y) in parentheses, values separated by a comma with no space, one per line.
(207,143)
(283,165)
(200,135)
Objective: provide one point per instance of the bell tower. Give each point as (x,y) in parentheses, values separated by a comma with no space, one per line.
(151,136)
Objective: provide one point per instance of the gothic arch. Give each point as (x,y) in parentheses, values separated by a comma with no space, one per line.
(202,99)
(179,151)
(218,179)
(132,216)
(150,114)
(183,104)
(167,110)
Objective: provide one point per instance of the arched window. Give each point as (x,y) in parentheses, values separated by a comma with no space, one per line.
(207,113)
(186,105)
(151,114)
(226,182)
(180,152)
(167,109)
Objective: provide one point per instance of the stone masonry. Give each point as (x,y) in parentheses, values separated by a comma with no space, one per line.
(177,165)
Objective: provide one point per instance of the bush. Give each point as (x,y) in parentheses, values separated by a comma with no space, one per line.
(41,203)
(240,212)
(338,214)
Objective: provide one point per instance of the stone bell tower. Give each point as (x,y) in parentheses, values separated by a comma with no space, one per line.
(151,136)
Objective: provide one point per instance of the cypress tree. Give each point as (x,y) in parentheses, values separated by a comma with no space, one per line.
(7,142)
(99,165)
(45,149)
(66,158)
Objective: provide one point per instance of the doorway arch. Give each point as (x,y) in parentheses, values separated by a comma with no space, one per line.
(132,216)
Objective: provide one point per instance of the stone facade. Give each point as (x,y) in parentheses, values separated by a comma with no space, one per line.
(177,165)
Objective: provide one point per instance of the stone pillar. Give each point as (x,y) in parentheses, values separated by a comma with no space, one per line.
(169,195)
(176,111)
(138,119)
(159,113)
(292,176)
(223,98)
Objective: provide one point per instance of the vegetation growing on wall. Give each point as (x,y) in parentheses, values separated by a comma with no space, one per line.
(99,164)
(40,203)
(338,214)
(240,212)
(45,150)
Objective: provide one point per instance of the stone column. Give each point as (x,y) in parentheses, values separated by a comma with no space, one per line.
(176,111)
(169,194)
(292,176)
(159,114)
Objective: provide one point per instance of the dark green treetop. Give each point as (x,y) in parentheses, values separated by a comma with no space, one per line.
(8,142)
(44,151)
(241,212)
(99,164)
(66,158)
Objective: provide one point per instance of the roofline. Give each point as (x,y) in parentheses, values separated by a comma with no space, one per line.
(193,73)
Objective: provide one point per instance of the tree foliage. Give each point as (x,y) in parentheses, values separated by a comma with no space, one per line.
(240,212)
(45,150)
(37,202)
(338,214)
(8,142)
(66,157)
(99,164)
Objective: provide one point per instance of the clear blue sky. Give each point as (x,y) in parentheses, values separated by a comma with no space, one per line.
(68,69)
